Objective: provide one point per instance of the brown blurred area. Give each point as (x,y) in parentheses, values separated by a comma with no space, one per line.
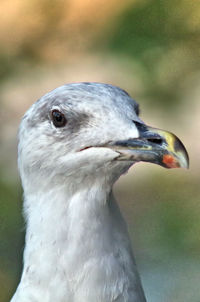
(149,48)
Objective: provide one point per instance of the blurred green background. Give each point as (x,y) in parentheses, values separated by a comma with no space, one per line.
(151,48)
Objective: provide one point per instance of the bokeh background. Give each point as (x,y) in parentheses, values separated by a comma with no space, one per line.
(151,48)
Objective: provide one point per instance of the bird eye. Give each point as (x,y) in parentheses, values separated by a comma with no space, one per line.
(58,118)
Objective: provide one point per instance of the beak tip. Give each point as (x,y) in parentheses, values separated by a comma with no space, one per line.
(171,161)
(187,166)
(183,159)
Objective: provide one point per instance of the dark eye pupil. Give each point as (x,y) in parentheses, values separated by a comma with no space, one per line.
(58,118)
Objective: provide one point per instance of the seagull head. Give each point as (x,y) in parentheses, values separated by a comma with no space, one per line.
(85,130)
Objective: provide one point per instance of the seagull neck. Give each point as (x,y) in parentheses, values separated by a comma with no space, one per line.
(77,241)
(64,223)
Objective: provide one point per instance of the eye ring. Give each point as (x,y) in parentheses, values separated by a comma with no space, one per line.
(58,118)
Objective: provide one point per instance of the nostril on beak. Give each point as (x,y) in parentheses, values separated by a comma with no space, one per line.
(155,140)
(149,134)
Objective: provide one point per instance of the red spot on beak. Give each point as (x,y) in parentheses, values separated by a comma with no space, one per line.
(170,161)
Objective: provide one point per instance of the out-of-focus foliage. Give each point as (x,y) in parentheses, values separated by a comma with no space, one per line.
(164,38)
(11,237)
(45,31)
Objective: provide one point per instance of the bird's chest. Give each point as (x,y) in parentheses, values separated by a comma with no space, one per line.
(85,258)
(84,271)
(95,279)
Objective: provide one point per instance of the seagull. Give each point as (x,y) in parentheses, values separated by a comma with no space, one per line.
(74,143)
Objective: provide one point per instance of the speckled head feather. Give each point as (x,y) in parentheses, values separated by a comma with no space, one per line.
(95,113)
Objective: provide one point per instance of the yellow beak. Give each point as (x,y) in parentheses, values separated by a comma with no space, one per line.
(155,146)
